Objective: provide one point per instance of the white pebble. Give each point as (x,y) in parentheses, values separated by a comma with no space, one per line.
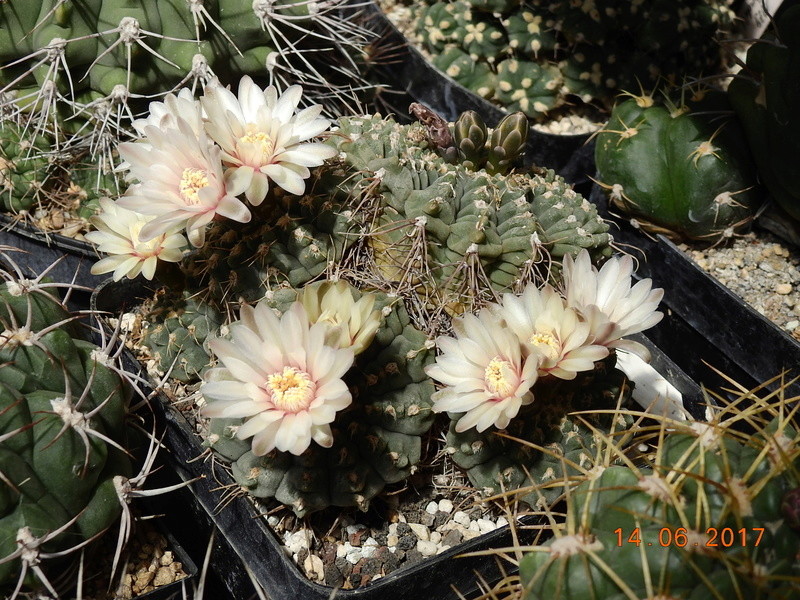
(368,551)
(370,541)
(792,325)
(445,505)
(391,540)
(473,526)
(502,522)
(427,548)
(431,508)
(355,555)
(422,532)
(443,549)
(461,518)
(351,529)
(436,537)
(341,551)
(485,525)
(392,528)
(469,534)
(296,542)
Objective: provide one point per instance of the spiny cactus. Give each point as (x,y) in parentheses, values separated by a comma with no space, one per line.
(62,437)
(700,517)
(680,169)
(542,55)
(763,94)
(375,441)
(392,213)
(24,168)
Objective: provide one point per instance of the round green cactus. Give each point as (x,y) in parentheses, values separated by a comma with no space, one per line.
(678,170)
(701,518)
(24,167)
(763,95)
(62,437)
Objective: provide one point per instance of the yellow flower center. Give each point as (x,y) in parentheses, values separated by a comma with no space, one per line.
(292,390)
(192,181)
(260,139)
(547,344)
(500,378)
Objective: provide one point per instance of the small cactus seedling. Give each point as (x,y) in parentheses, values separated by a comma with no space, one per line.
(680,170)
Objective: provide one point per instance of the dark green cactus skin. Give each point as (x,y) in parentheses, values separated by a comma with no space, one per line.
(29,27)
(178,337)
(735,485)
(496,464)
(541,55)
(51,475)
(24,168)
(377,440)
(684,171)
(765,97)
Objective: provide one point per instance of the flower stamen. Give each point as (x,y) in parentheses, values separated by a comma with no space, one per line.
(262,139)
(547,344)
(500,378)
(192,181)
(291,390)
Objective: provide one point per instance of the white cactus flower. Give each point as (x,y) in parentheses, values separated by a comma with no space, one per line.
(351,324)
(485,374)
(547,327)
(609,303)
(164,115)
(181,183)
(262,136)
(279,376)
(118,236)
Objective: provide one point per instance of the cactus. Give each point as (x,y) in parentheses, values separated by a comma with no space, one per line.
(700,517)
(437,234)
(679,170)
(763,94)
(376,441)
(540,57)
(24,168)
(62,437)
(546,447)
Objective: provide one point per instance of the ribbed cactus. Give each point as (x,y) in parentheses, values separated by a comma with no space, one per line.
(437,234)
(702,517)
(24,168)
(763,95)
(376,441)
(540,56)
(680,169)
(62,438)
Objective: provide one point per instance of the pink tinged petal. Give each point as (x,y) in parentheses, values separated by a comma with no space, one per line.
(454,402)
(322,435)
(234,209)
(149,267)
(583,359)
(130,268)
(287,103)
(307,155)
(309,114)
(636,348)
(481,417)
(259,187)
(258,423)
(285,178)
(197,237)
(237,179)
(229,409)
(251,98)
(264,441)
(107,264)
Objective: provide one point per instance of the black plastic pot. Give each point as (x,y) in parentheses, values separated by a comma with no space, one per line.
(247,543)
(73,259)
(571,156)
(707,324)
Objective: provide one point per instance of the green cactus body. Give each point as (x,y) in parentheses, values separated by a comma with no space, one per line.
(680,171)
(24,168)
(703,521)
(61,409)
(377,440)
(564,447)
(549,53)
(763,98)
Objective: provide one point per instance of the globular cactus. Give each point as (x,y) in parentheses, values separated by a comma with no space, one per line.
(698,516)
(542,56)
(679,169)
(376,440)
(763,94)
(545,449)
(394,209)
(62,438)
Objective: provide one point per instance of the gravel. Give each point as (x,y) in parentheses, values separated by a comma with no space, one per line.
(761,269)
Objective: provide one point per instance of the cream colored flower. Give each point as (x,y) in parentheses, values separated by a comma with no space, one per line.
(279,376)
(164,115)
(351,324)
(181,183)
(118,236)
(261,136)
(484,372)
(607,301)
(547,327)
